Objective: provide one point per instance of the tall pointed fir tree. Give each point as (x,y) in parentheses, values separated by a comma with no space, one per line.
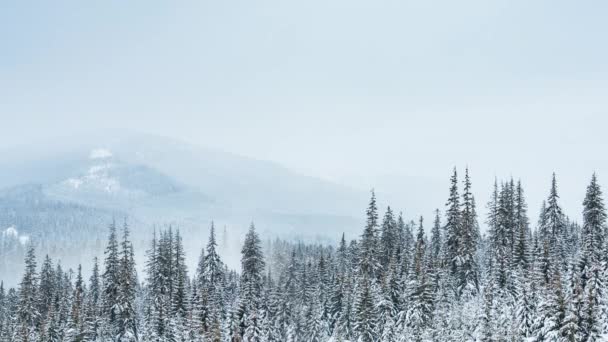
(368,251)
(111,286)
(155,318)
(388,237)
(213,278)
(521,248)
(419,291)
(365,323)
(46,290)
(179,305)
(127,287)
(590,268)
(554,221)
(28,315)
(452,227)
(76,324)
(436,240)
(92,310)
(252,272)
(468,273)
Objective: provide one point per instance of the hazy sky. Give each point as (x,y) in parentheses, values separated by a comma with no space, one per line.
(390,94)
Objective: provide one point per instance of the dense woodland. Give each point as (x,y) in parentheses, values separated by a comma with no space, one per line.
(399,281)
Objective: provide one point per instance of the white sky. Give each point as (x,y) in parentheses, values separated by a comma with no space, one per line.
(385,94)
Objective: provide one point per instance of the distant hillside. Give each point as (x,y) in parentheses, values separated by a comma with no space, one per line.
(160,180)
(62,196)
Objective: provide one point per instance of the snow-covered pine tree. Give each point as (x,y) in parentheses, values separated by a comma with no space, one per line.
(502,242)
(468,271)
(555,226)
(388,237)
(213,278)
(9,331)
(590,268)
(28,314)
(487,317)
(452,227)
(111,286)
(407,243)
(365,320)
(181,290)
(92,305)
(368,250)
(252,271)
(46,290)
(127,286)
(522,235)
(419,313)
(552,309)
(76,325)
(179,305)
(436,240)
(390,304)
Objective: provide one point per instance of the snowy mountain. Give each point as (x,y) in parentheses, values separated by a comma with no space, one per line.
(157,180)
(108,181)
(63,196)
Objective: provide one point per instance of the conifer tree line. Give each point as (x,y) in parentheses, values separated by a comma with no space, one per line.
(439,279)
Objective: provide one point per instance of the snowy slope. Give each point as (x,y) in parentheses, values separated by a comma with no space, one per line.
(159,180)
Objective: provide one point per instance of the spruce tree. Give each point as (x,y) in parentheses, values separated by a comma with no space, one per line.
(589,269)
(111,286)
(521,248)
(453,226)
(213,278)
(468,278)
(127,286)
(365,313)
(436,241)
(368,251)
(388,236)
(252,271)
(28,314)
(555,226)
(92,311)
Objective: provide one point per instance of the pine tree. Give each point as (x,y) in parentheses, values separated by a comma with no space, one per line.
(127,286)
(92,311)
(46,290)
(525,309)
(111,286)
(28,313)
(552,310)
(521,248)
(368,251)
(555,226)
(487,318)
(453,226)
(419,290)
(213,277)
(468,279)
(388,237)
(408,242)
(436,241)
(180,297)
(589,267)
(76,322)
(252,265)
(365,313)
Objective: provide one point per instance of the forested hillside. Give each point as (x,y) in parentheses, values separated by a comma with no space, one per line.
(452,277)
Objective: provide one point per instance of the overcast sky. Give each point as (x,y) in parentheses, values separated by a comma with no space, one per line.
(385,94)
